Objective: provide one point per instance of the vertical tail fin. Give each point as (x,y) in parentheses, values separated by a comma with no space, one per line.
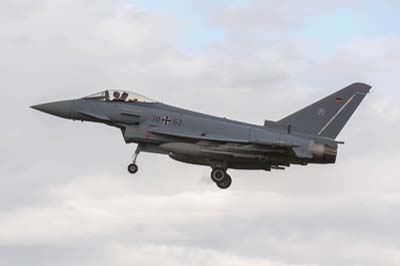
(328,116)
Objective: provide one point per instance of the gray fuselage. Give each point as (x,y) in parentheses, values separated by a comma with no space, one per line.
(154,124)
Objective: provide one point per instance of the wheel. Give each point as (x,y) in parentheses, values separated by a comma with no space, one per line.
(226,183)
(133,168)
(218,174)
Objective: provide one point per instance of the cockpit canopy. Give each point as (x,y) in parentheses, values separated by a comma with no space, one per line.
(120,96)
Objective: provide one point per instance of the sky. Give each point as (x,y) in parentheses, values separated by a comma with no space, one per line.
(66,197)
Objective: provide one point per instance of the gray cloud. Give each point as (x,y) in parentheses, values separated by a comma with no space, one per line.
(66,196)
(274,16)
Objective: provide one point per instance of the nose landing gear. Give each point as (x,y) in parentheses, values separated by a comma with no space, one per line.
(221,178)
(133,168)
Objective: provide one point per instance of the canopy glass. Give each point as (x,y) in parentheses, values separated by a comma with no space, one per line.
(119,96)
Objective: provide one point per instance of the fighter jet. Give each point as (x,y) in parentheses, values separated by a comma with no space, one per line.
(305,137)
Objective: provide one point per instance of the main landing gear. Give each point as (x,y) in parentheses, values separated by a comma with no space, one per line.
(221,178)
(133,168)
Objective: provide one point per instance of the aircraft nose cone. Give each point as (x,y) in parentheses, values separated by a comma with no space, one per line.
(61,109)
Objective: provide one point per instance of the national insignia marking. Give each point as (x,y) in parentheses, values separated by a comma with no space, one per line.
(321,111)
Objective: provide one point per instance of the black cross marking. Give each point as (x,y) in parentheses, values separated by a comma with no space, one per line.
(167,120)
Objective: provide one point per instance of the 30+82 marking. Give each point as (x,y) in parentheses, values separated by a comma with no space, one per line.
(167,120)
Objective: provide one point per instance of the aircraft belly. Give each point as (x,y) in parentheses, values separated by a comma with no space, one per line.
(190,149)
(231,163)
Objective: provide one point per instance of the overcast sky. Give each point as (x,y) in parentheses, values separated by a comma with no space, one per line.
(66,197)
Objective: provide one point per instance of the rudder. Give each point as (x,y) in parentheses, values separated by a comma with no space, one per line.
(328,116)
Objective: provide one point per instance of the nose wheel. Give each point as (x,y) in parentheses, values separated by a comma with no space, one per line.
(133,168)
(221,178)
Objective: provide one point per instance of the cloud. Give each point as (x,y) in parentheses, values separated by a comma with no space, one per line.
(64,185)
(247,227)
(272,16)
(170,255)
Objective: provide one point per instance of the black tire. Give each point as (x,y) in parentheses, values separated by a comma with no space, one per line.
(218,175)
(226,183)
(133,168)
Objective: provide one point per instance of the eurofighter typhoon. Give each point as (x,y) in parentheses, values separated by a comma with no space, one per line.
(304,137)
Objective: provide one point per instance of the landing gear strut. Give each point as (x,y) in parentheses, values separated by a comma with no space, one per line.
(221,178)
(133,168)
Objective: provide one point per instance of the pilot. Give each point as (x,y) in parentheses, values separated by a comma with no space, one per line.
(124,96)
(116,95)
